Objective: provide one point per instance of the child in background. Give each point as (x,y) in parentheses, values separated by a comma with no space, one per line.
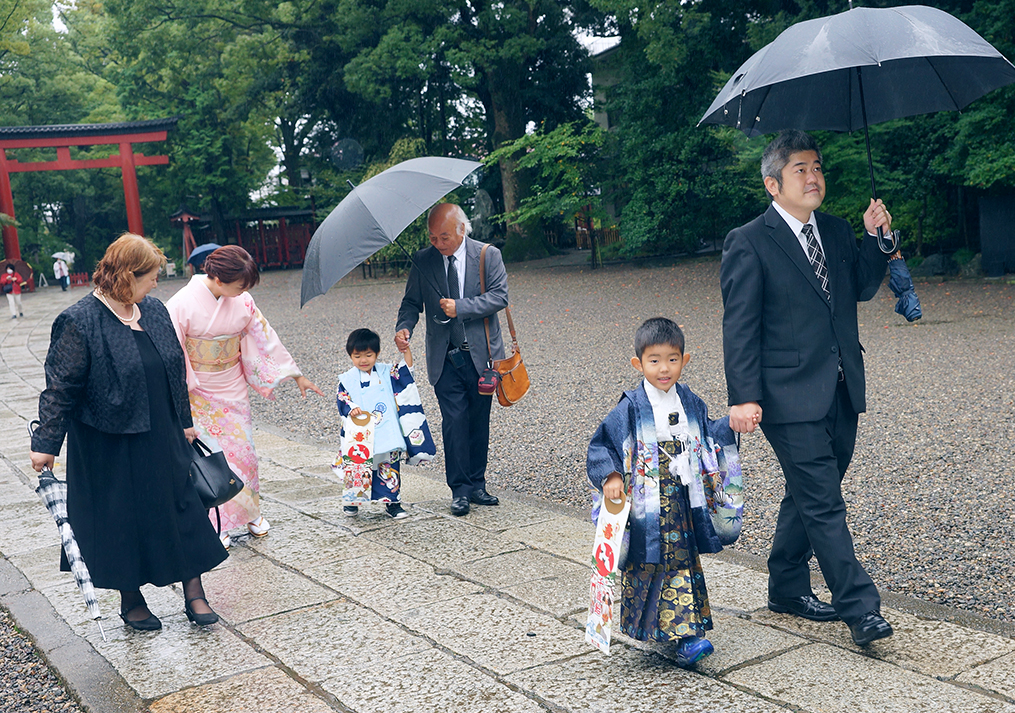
(389,394)
(655,445)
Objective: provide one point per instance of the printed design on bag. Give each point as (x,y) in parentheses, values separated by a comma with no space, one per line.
(359,453)
(605,558)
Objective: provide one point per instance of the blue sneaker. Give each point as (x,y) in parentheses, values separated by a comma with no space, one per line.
(693,649)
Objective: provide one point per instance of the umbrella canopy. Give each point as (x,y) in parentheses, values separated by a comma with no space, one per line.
(901,283)
(199,253)
(67,257)
(910,60)
(374,214)
(53,494)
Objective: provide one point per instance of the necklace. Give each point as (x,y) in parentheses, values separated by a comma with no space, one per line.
(135,313)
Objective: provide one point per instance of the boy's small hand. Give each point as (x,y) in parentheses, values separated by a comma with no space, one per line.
(744,418)
(356,412)
(402,339)
(613,488)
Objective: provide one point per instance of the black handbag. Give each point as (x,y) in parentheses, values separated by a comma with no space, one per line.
(215,481)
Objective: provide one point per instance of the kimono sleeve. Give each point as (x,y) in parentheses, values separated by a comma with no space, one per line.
(180,316)
(266,363)
(606,453)
(419,443)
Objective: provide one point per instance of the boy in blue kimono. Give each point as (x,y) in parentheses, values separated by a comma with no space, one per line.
(659,446)
(389,393)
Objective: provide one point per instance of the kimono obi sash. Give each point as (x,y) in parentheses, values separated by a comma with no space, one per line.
(216,354)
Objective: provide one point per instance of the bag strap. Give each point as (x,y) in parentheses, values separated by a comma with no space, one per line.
(507,309)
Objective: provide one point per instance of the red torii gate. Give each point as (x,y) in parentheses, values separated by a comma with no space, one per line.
(62,137)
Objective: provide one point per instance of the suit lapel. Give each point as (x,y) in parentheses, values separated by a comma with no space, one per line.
(472,250)
(782,236)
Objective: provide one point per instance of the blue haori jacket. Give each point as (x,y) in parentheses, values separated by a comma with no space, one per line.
(626,443)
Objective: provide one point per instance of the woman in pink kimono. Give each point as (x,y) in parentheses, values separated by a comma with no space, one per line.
(230,345)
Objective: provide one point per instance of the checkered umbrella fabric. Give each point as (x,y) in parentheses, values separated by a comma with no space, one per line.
(53,493)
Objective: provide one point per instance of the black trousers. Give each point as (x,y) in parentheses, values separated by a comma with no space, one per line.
(465,425)
(812,516)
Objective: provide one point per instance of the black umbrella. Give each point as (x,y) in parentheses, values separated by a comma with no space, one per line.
(860,67)
(53,493)
(374,214)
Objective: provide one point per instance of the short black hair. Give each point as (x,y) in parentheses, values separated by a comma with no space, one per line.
(362,340)
(658,330)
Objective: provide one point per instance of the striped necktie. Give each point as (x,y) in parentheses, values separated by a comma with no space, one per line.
(817,258)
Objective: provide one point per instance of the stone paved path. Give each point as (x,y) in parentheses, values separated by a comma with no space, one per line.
(435,613)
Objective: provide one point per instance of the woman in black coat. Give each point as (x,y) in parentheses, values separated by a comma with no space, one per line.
(116,387)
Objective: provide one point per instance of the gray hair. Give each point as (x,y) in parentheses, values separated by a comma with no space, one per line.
(783,146)
(460,216)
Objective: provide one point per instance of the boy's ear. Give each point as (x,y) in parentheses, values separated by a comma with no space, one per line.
(687,358)
(636,363)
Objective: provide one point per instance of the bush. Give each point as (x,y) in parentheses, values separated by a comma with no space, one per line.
(963,256)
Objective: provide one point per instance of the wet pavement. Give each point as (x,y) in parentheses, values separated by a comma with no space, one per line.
(435,613)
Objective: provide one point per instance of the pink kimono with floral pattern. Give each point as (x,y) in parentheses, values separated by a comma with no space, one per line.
(229,345)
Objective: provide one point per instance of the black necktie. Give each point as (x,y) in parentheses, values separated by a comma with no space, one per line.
(457,328)
(817,257)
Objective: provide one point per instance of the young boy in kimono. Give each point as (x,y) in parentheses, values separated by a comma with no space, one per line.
(656,445)
(389,394)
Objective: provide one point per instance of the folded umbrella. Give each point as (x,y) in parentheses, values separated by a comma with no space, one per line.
(901,283)
(53,493)
(374,214)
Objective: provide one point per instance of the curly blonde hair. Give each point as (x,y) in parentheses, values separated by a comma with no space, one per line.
(128,257)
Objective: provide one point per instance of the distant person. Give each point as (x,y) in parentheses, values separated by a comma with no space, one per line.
(11,283)
(791,280)
(456,347)
(229,346)
(653,446)
(389,395)
(61,273)
(116,388)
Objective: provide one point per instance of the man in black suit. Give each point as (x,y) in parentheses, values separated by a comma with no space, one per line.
(456,343)
(791,280)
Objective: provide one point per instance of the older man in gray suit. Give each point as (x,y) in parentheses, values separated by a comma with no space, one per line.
(456,344)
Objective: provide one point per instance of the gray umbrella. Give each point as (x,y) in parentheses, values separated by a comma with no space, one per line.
(374,214)
(860,67)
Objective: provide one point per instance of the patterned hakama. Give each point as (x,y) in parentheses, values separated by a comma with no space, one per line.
(668,601)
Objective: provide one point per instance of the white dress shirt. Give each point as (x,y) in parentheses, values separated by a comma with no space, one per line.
(459,267)
(797,227)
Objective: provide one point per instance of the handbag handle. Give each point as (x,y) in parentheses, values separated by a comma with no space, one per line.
(200,447)
(507,309)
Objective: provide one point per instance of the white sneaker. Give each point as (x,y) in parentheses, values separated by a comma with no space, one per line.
(224,539)
(259,527)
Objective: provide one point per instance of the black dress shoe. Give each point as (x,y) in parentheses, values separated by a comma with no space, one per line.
(481,497)
(200,619)
(870,627)
(152,623)
(807,607)
(460,506)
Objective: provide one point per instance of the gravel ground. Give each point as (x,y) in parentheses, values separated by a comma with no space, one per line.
(932,469)
(26,683)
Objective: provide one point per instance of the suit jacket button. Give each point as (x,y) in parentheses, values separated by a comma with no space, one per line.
(835,350)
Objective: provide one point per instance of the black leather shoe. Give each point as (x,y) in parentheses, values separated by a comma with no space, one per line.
(200,619)
(807,607)
(481,497)
(460,506)
(152,623)
(870,627)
